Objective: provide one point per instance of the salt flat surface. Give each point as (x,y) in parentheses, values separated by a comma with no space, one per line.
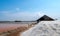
(10,26)
(44,28)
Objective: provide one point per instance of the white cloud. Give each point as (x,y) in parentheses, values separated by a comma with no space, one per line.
(17,9)
(27,16)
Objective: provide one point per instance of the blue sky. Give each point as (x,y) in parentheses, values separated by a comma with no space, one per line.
(28,9)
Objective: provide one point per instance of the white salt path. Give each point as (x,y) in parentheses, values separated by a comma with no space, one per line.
(44,28)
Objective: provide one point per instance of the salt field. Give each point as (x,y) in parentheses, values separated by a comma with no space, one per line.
(11,26)
(44,28)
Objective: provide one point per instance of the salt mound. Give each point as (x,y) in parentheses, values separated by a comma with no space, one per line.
(44,28)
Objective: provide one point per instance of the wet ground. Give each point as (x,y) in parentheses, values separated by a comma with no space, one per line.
(13,29)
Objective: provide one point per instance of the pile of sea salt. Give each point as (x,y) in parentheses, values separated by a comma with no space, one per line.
(44,28)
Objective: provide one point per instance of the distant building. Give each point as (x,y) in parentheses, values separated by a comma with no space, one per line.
(45,18)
